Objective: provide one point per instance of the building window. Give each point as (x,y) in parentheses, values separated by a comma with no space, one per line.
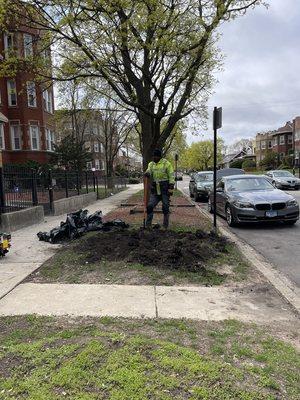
(87,146)
(15,137)
(8,41)
(34,137)
(2,140)
(97,164)
(48,103)
(96,147)
(274,142)
(281,156)
(50,140)
(31,94)
(89,165)
(101,148)
(297,135)
(290,139)
(28,45)
(282,139)
(263,144)
(270,144)
(12,92)
(101,165)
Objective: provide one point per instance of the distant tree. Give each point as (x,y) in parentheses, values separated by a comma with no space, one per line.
(270,161)
(70,154)
(176,144)
(245,144)
(199,155)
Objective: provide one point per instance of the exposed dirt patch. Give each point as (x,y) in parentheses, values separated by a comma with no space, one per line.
(179,250)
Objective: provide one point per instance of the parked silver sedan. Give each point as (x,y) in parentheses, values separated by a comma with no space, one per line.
(283,179)
(252,198)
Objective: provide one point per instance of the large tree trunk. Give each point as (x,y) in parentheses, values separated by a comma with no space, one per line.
(150,132)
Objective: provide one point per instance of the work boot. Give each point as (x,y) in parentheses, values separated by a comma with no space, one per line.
(166,221)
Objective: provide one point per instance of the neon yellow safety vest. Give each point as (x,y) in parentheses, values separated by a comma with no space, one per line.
(161,171)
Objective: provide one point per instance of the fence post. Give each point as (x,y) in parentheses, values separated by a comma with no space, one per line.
(50,190)
(97,187)
(34,188)
(77,183)
(2,191)
(66,184)
(94,180)
(86,182)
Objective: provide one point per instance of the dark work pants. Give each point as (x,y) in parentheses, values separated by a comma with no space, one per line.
(153,201)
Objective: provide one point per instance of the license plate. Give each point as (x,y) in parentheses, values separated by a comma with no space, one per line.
(271,214)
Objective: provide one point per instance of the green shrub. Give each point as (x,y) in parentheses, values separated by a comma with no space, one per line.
(249,164)
(236,163)
(133,181)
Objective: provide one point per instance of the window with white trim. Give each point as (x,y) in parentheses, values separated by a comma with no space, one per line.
(101,165)
(89,165)
(97,164)
(8,41)
(270,144)
(2,140)
(28,45)
(263,144)
(15,133)
(34,137)
(101,148)
(12,92)
(31,94)
(281,156)
(290,139)
(282,139)
(274,142)
(50,140)
(48,103)
(96,147)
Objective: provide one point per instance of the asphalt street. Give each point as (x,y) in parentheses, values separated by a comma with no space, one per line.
(278,243)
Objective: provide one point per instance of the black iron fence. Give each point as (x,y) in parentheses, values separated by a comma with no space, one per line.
(22,187)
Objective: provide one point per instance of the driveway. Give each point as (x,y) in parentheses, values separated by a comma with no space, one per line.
(278,243)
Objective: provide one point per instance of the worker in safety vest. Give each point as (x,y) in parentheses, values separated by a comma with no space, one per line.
(161,173)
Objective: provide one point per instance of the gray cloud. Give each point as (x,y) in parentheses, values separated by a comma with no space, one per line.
(259,87)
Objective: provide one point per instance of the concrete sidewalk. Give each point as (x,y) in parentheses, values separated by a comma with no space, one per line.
(27,253)
(199,303)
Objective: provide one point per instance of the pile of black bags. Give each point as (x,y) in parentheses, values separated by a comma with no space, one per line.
(77,224)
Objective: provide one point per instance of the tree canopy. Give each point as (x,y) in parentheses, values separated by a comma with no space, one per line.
(157,56)
(199,155)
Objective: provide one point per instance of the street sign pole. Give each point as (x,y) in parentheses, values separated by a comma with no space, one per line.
(217,124)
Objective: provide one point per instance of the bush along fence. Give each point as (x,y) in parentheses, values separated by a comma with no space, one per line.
(22,187)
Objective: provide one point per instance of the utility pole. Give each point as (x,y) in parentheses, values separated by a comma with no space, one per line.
(217,124)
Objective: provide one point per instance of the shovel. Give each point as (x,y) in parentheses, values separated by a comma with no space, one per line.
(146,186)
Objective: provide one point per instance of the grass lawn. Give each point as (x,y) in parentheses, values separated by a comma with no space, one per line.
(118,359)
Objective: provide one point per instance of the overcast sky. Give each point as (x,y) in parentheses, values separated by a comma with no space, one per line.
(259,88)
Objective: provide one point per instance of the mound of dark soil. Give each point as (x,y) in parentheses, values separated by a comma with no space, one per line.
(179,250)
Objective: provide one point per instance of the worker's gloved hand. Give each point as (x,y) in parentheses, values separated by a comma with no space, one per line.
(171,189)
(147,175)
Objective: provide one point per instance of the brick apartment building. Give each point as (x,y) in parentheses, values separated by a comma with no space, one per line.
(27,107)
(284,142)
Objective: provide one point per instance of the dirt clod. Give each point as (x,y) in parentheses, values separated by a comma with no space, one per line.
(164,249)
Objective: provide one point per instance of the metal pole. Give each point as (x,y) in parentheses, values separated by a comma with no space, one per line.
(215,168)
(50,191)
(2,191)
(86,182)
(176,169)
(34,188)
(66,184)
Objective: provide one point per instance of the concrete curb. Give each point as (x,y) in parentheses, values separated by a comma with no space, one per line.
(287,289)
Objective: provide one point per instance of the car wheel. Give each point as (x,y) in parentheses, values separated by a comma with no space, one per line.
(210,207)
(196,196)
(292,222)
(229,216)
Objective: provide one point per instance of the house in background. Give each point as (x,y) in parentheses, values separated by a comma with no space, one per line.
(28,130)
(284,142)
(245,154)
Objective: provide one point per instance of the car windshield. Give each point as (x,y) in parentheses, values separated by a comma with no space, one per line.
(204,177)
(282,173)
(248,184)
